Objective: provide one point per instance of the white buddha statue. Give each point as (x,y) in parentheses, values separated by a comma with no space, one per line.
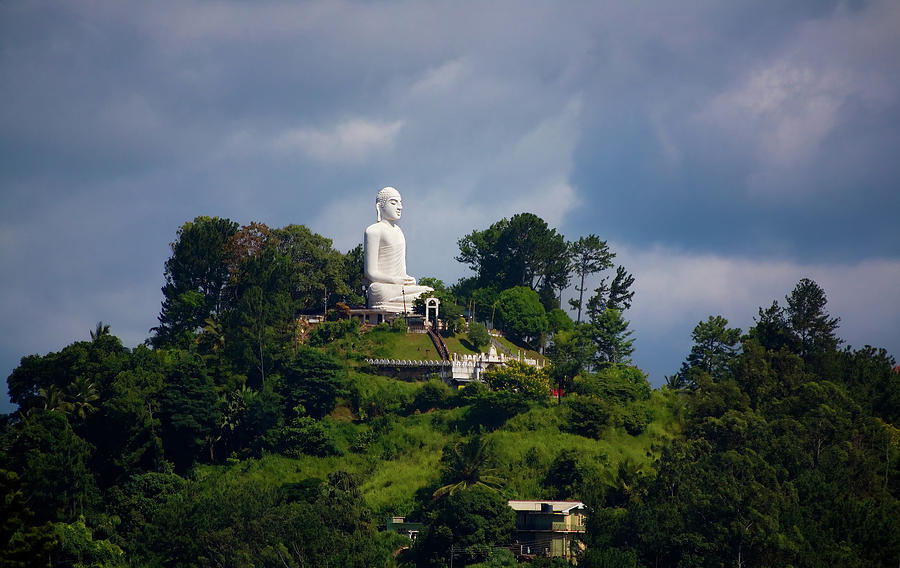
(384,247)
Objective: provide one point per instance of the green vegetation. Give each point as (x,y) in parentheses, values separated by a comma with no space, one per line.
(462,346)
(518,349)
(408,346)
(237,437)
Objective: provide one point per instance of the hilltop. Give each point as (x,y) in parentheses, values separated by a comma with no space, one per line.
(237,436)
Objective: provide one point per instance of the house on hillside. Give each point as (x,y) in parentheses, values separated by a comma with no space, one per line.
(548,528)
(400,525)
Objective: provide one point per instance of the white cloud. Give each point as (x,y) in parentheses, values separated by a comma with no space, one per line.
(782,111)
(440,79)
(551,143)
(351,140)
(675,289)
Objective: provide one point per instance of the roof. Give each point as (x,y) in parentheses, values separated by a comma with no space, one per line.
(558,506)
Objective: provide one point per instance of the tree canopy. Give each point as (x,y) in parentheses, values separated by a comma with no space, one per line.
(520,251)
(234,437)
(524,317)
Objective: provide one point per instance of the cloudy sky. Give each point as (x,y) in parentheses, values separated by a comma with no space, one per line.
(724,149)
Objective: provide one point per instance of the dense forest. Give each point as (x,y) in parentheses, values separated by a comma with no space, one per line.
(238,435)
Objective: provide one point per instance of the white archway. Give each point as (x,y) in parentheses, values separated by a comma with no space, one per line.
(432,303)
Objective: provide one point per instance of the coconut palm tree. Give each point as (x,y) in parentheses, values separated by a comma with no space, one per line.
(466,464)
(54,398)
(82,394)
(621,480)
(101,330)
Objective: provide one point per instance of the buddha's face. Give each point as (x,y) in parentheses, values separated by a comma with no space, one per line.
(391,207)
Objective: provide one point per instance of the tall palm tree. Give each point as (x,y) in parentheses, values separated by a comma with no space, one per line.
(101,330)
(54,398)
(82,394)
(466,464)
(213,335)
(622,479)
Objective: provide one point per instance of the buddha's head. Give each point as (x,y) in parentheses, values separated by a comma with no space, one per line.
(389,204)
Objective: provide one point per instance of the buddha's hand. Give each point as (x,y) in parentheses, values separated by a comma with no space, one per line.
(409,280)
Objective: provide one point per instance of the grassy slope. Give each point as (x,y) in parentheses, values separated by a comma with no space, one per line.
(400,449)
(531,354)
(419,346)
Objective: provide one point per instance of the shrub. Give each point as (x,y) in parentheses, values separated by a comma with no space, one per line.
(305,435)
(621,383)
(587,415)
(489,409)
(635,419)
(329,331)
(433,394)
(530,382)
(566,474)
(478,335)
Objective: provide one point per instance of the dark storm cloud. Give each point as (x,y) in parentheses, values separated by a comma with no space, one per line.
(774,140)
(735,139)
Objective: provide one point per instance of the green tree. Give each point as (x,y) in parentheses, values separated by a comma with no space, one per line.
(570,352)
(235,521)
(622,384)
(353,276)
(468,463)
(100,331)
(567,474)
(484,302)
(260,324)
(489,409)
(771,329)
(612,338)
(190,411)
(196,276)
(524,318)
(54,398)
(314,380)
(130,419)
(520,251)
(620,292)
(318,269)
(870,379)
(616,295)
(304,435)
(620,481)
(53,460)
(478,335)
(96,363)
(588,416)
(22,544)
(813,328)
(709,508)
(531,382)
(82,394)
(714,349)
(77,547)
(559,320)
(471,521)
(589,256)
(260,420)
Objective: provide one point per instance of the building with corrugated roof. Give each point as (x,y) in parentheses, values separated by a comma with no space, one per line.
(549,528)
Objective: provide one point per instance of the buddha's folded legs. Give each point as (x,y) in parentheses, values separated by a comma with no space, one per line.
(391,297)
